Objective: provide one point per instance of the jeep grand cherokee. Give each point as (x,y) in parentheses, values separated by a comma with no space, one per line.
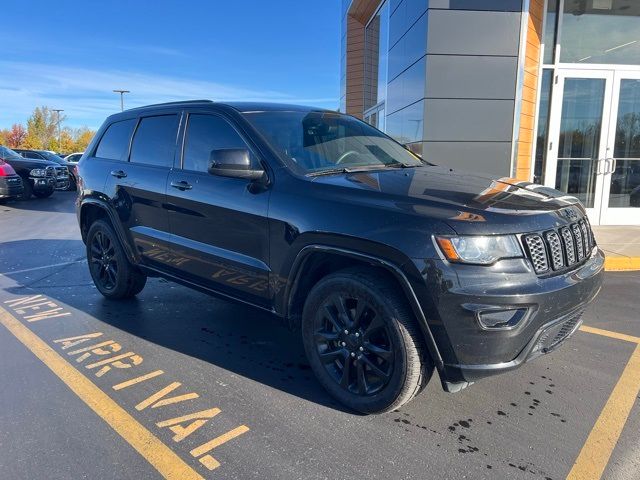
(390,266)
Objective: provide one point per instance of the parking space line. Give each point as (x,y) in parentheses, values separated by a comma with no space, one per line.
(610,334)
(597,450)
(64,264)
(161,457)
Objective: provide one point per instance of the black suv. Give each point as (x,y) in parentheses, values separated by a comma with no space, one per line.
(38,176)
(389,265)
(65,179)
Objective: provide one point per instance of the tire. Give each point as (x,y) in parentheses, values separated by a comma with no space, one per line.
(43,193)
(27,189)
(112,273)
(383,352)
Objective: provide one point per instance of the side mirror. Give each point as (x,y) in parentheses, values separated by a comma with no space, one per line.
(233,162)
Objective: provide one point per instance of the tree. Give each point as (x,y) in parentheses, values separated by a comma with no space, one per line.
(42,128)
(16,136)
(83,137)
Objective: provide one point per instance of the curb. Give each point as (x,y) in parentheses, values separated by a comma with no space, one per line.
(621,264)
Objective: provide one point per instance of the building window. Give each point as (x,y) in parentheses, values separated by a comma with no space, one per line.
(542,136)
(376,56)
(550,31)
(600,31)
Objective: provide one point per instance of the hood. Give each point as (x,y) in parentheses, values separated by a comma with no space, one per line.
(18,163)
(468,203)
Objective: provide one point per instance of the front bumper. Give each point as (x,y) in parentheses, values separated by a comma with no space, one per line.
(43,183)
(550,310)
(11,186)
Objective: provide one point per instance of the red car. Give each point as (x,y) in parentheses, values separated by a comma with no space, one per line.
(10,182)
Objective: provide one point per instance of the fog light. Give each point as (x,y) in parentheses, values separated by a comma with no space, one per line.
(501,319)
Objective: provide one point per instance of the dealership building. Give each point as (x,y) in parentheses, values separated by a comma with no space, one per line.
(544,91)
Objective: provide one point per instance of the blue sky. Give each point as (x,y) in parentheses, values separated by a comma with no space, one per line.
(72,54)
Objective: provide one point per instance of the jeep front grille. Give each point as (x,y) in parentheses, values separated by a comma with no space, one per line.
(556,250)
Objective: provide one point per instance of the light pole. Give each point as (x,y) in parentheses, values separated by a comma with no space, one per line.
(121,92)
(58,110)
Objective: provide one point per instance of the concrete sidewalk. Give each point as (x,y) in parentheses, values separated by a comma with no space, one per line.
(621,245)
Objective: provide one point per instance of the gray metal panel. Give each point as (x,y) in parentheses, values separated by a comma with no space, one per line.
(462,32)
(459,76)
(488,158)
(495,5)
(468,120)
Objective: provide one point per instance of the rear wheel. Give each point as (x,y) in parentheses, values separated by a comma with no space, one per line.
(363,342)
(110,269)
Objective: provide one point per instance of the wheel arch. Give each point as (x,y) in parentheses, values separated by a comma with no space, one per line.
(318,260)
(92,209)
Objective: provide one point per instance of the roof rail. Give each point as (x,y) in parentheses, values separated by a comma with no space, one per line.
(168,104)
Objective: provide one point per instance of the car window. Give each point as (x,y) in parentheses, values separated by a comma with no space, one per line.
(154,142)
(114,144)
(204,134)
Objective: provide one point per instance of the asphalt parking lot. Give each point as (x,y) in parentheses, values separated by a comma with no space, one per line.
(181,385)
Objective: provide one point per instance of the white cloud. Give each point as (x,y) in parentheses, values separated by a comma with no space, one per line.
(87,98)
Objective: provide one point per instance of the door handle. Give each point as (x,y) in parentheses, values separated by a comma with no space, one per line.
(614,162)
(601,162)
(182,185)
(118,173)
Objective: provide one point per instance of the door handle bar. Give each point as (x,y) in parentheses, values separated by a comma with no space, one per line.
(181,185)
(118,173)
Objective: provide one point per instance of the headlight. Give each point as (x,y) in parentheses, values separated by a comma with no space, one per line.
(481,250)
(38,172)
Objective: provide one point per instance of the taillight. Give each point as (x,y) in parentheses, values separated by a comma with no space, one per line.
(6,169)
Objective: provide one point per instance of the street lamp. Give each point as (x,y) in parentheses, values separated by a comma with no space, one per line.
(58,110)
(121,92)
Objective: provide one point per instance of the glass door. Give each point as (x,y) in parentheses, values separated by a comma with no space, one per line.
(578,136)
(621,192)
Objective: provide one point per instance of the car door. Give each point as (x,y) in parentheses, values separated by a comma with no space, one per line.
(219,224)
(137,186)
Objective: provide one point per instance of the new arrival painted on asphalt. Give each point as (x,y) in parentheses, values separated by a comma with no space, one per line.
(177,384)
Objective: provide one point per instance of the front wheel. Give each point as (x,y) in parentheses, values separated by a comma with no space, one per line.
(110,269)
(363,342)
(43,193)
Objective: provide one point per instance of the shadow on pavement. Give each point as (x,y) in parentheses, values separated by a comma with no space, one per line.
(238,338)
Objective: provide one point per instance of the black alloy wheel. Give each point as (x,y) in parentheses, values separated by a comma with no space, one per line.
(353,343)
(363,342)
(113,275)
(103,264)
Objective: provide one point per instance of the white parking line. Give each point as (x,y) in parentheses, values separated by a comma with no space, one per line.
(42,267)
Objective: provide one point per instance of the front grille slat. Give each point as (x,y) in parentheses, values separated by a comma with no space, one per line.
(577,233)
(537,253)
(559,249)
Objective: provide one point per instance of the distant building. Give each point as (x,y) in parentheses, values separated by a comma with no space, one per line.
(546,91)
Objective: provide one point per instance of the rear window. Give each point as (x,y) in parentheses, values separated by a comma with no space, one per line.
(155,141)
(114,144)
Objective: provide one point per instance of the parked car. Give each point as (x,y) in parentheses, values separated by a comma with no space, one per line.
(74,157)
(38,176)
(10,182)
(66,178)
(390,266)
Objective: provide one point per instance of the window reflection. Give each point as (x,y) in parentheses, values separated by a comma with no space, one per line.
(600,31)
(550,30)
(579,143)
(625,180)
(376,57)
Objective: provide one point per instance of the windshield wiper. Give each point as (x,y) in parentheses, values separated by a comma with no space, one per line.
(363,168)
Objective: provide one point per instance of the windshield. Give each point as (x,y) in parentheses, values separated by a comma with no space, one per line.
(8,153)
(51,156)
(317,142)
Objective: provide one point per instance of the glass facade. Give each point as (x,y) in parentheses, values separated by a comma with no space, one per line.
(600,31)
(542,136)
